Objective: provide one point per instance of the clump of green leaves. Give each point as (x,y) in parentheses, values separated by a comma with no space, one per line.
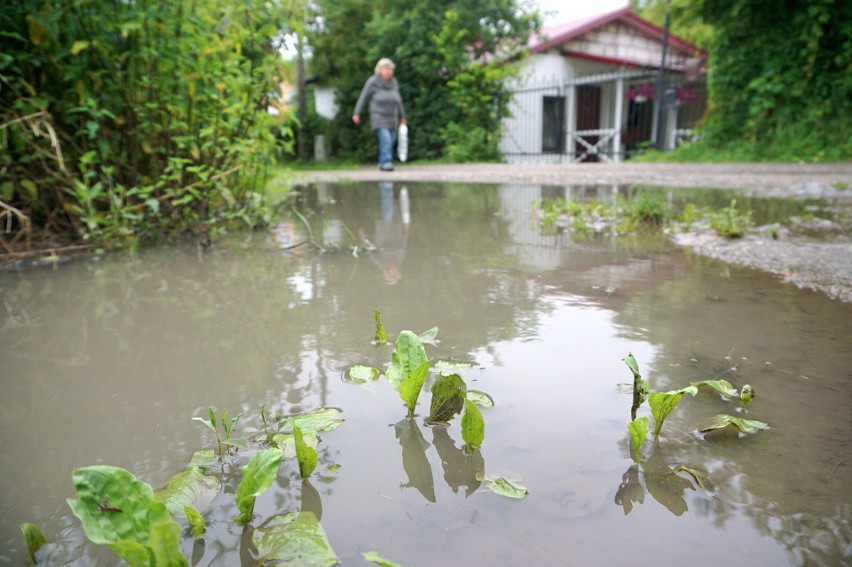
(120,511)
(154,130)
(645,207)
(730,222)
(663,403)
(227,429)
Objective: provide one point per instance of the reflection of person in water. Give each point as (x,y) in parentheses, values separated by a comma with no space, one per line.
(391,232)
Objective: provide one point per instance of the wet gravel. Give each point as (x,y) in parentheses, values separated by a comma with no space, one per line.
(819,258)
(799,181)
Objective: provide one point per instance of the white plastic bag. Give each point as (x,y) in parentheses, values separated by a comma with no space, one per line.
(402,143)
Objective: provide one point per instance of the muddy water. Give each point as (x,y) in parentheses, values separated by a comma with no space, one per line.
(106,362)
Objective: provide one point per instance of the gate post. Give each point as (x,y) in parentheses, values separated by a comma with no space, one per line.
(617,118)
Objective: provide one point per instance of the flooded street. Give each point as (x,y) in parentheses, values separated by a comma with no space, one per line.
(106,361)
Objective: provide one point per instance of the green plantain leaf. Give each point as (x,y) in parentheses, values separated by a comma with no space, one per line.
(196,521)
(408,355)
(662,404)
(205,422)
(723,420)
(480,398)
(287,443)
(361,374)
(638,429)
(35,540)
(293,539)
(258,475)
(473,427)
(630,361)
(190,487)
(118,510)
(306,455)
(722,386)
(203,458)
(322,419)
(381,333)
(410,389)
(506,488)
(448,396)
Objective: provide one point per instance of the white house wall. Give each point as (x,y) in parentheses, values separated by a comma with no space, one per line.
(545,74)
(618,41)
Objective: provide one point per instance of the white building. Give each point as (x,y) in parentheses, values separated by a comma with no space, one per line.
(587,91)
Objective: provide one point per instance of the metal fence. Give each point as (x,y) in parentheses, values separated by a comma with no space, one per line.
(607,117)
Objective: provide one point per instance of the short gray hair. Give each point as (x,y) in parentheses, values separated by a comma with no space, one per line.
(384,62)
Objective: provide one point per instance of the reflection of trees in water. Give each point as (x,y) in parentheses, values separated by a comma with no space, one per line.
(792,480)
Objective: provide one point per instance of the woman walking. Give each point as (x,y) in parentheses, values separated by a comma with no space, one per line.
(381,92)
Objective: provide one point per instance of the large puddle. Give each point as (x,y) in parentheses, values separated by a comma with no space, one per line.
(106,362)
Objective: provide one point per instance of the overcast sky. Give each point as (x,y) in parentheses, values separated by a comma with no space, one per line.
(567,10)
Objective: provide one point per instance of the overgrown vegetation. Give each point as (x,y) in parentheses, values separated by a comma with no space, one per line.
(127,122)
(454,96)
(793,102)
(645,210)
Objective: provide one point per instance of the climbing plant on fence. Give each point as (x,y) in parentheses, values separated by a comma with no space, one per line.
(133,120)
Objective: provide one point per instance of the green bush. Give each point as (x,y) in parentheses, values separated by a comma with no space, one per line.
(128,121)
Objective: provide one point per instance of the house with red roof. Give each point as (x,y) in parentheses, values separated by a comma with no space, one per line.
(587,91)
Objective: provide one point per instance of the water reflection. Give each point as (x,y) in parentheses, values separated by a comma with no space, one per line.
(390,232)
(460,469)
(661,482)
(414,459)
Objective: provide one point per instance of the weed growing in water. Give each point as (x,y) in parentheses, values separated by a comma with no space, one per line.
(730,222)
(227,429)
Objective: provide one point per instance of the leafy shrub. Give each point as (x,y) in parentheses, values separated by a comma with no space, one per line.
(129,121)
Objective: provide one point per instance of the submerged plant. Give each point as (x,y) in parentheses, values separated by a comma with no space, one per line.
(120,511)
(258,475)
(381,333)
(296,538)
(662,404)
(448,397)
(641,387)
(746,396)
(730,222)
(473,427)
(35,541)
(722,420)
(638,429)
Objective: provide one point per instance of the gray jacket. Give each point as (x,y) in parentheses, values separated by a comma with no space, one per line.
(386,108)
